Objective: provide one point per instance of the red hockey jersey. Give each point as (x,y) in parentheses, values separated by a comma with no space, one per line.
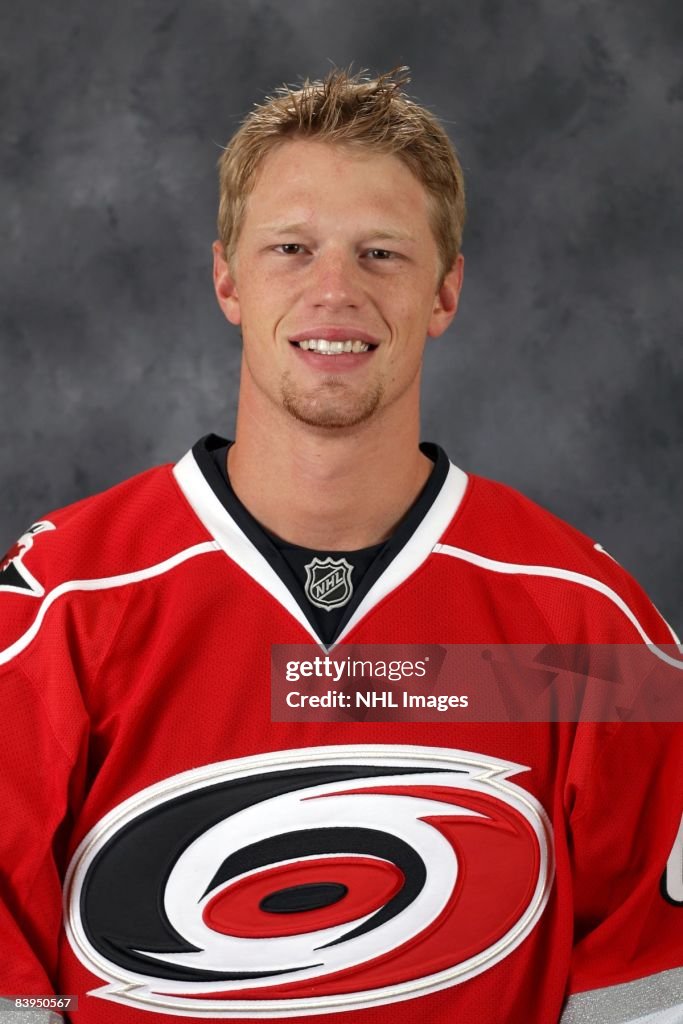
(168,851)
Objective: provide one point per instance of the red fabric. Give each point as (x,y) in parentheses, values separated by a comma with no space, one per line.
(128,684)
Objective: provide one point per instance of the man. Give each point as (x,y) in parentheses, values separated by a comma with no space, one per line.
(217,863)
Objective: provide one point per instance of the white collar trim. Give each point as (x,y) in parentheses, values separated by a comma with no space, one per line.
(240,549)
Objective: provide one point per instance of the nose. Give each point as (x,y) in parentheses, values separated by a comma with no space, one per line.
(334,281)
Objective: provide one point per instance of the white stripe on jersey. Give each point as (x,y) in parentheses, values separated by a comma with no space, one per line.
(229,536)
(418,548)
(106,583)
(512,568)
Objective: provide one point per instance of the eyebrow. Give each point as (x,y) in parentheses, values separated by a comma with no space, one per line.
(395,236)
(374,233)
(284,229)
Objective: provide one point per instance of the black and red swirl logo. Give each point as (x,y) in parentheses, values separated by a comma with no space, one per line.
(309,881)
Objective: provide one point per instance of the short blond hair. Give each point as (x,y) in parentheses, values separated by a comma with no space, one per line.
(349,110)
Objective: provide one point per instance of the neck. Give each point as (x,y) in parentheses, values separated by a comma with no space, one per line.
(337,490)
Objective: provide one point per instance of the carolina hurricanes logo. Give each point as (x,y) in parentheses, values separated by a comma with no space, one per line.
(309,881)
(14,575)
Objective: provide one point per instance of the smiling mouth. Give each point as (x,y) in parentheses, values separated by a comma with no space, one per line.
(334,348)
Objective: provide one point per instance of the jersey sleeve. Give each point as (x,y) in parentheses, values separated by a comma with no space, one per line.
(63,604)
(41,768)
(43,750)
(625,791)
(625,828)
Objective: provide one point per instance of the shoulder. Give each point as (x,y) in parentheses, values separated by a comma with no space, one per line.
(506,525)
(100,542)
(501,533)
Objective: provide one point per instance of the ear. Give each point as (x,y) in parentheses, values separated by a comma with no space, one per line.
(447,298)
(225,285)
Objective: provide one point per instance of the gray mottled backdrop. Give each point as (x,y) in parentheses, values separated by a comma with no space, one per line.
(562,374)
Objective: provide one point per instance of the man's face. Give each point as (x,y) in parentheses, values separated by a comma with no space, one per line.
(335,284)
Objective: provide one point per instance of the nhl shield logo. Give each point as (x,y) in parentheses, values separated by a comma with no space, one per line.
(328,582)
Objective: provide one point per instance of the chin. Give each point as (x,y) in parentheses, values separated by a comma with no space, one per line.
(328,414)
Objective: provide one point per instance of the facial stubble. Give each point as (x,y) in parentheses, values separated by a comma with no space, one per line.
(332,404)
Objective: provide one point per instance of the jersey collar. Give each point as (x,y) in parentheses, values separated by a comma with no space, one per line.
(198,478)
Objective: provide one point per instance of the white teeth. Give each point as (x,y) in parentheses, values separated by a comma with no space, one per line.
(333,348)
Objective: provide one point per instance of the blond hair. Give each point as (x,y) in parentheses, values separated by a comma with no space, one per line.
(350,110)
